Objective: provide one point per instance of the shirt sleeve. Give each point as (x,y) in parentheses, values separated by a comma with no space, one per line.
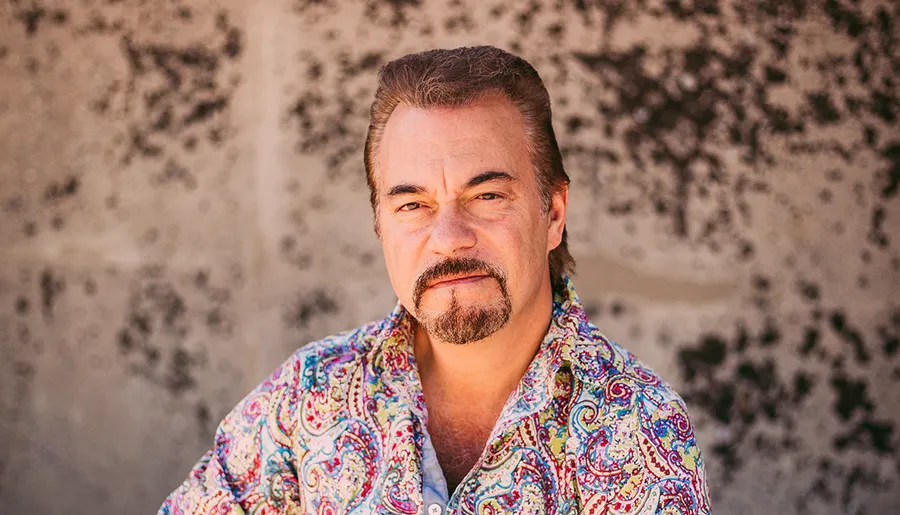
(250,468)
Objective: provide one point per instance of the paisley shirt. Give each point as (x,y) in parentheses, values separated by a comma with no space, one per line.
(340,427)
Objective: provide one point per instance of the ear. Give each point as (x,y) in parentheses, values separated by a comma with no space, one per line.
(559,203)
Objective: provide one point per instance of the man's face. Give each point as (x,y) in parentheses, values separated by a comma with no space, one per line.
(464,230)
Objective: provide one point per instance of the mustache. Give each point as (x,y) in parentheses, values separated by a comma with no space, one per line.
(456,266)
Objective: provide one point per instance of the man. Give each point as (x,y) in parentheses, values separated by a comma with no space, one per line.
(486,390)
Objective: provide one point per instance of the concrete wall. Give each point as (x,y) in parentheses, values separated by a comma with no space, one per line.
(182,204)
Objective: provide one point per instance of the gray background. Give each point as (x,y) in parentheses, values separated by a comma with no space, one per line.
(182,204)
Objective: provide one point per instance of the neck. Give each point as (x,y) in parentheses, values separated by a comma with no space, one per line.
(484,373)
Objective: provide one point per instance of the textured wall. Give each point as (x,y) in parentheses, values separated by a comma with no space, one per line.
(183,203)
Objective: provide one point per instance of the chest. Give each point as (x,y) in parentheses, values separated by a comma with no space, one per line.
(458,442)
(354,461)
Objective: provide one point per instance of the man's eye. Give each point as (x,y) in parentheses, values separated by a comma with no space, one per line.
(489,196)
(410,206)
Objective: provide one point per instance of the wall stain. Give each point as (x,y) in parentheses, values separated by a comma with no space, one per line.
(51,287)
(310,306)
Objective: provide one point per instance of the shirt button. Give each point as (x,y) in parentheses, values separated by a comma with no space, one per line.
(434,509)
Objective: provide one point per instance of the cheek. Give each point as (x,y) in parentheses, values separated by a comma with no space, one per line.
(400,259)
(518,242)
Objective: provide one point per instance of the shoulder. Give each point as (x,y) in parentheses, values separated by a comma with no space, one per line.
(603,364)
(319,365)
(642,426)
(314,374)
(328,360)
(627,387)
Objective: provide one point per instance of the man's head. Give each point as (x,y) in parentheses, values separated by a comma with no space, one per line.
(466,181)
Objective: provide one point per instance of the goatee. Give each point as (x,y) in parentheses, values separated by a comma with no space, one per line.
(463,324)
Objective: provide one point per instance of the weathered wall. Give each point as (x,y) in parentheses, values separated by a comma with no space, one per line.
(182,204)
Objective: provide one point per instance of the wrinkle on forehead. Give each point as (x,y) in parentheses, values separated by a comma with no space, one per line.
(455,143)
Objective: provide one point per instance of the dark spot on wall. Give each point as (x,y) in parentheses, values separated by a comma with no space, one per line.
(555,30)
(31,18)
(742,340)
(310,306)
(233,43)
(60,190)
(524,19)
(746,251)
(201,278)
(314,71)
(575,123)
(775,75)
(22,306)
(884,106)
(190,143)
(876,228)
(809,290)
(174,172)
(890,335)
(823,109)
(811,337)
(218,323)
(770,334)
(761,375)
(890,177)
(23,370)
(51,288)
(803,384)
(867,434)
(851,335)
(141,146)
(180,378)
(844,19)
(205,109)
(760,296)
(617,309)
(203,419)
(398,11)
(294,255)
(701,360)
(851,396)
(215,135)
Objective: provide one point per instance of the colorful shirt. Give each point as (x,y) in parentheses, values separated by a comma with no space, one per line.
(340,427)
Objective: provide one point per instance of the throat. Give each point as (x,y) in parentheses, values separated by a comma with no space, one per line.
(458,444)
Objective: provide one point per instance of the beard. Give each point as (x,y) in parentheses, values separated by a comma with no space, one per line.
(460,324)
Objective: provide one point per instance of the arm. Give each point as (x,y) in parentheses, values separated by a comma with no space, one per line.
(671,456)
(250,467)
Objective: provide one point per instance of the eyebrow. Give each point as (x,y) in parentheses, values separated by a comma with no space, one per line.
(483,177)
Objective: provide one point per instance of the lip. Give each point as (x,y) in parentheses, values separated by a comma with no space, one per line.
(459,281)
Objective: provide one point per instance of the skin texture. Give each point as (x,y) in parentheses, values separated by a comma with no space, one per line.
(430,211)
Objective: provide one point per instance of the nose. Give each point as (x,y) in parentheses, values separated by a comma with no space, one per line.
(450,232)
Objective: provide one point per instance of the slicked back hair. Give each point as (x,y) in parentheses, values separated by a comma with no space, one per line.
(461,77)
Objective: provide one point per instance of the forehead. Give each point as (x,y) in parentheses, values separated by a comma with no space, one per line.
(416,141)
